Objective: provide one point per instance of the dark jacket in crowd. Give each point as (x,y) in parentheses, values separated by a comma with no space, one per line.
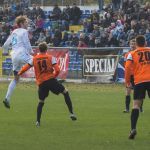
(75,14)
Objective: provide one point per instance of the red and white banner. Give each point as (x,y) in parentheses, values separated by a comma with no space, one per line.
(62,57)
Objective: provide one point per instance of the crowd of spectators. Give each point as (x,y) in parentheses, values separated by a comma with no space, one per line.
(107,28)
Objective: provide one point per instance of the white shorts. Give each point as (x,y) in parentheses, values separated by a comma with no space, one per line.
(19,60)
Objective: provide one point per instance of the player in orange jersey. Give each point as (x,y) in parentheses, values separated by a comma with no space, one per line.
(139,59)
(46,71)
(129,89)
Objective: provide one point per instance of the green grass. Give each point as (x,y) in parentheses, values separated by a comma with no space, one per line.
(101,125)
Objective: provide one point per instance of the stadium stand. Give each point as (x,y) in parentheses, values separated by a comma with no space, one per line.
(107,28)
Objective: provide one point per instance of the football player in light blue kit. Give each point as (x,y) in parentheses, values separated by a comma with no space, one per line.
(20,54)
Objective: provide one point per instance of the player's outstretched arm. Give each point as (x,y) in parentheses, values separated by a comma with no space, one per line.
(57,70)
(24,69)
(128,73)
(6,46)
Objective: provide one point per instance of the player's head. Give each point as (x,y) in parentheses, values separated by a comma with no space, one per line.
(140,41)
(22,22)
(133,44)
(43,47)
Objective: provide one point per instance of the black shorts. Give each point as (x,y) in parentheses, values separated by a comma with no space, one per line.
(140,90)
(50,85)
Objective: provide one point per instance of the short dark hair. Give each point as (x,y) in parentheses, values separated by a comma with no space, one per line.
(43,47)
(140,40)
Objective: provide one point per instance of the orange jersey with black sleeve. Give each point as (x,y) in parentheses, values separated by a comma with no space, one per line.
(140,60)
(125,59)
(45,67)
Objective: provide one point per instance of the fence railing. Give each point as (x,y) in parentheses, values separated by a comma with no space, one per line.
(99,61)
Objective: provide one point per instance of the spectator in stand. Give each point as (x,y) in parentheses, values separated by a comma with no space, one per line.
(84,38)
(108,20)
(75,14)
(19,9)
(1,15)
(26,3)
(7,28)
(143,25)
(74,40)
(112,26)
(88,26)
(121,35)
(125,6)
(27,12)
(33,39)
(57,38)
(56,13)
(112,41)
(13,7)
(147,6)
(40,12)
(39,24)
(126,27)
(48,38)
(116,4)
(147,14)
(94,17)
(96,31)
(135,26)
(66,14)
(103,40)
(97,42)
(3,37)
(33,12)
(141,14)
(42,38)
(147,36)
(131,34)
(65,36)
(91,40)
(119,26)
(82,44)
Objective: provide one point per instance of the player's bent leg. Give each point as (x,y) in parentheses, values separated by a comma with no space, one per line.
(127,103)
(39,112)
(69,104)
(134,118)
(141,107)
(127,100)
(10,90)
(43,92)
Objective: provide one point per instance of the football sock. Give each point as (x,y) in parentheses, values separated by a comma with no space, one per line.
(39,111)
(134,118)
(68,102)
(141,108)
(127,102)
(10,90)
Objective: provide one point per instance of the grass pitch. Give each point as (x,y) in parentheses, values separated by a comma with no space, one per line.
(101,125)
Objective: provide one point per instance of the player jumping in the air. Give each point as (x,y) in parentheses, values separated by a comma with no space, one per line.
(20,54)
